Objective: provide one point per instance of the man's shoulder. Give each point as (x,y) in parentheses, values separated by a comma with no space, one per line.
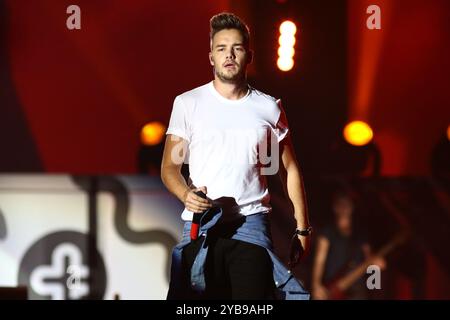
(271,103)
(193,93)
(328,231)
(259,96)
(263,96)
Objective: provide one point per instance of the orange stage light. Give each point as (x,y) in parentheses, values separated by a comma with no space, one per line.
(358,133)
(152,133)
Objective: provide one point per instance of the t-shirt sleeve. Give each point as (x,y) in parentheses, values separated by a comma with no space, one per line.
(179,123)
(281,128)
(326,232)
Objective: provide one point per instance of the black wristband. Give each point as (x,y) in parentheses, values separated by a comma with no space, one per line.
(304,232)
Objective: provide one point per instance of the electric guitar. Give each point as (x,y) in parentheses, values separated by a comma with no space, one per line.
(337,288)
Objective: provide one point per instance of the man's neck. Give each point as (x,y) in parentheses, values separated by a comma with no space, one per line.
(232,90)
(345,230)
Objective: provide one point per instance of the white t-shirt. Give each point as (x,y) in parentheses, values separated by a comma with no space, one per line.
(227,146)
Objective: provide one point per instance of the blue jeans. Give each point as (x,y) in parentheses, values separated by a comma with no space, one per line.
(254,229)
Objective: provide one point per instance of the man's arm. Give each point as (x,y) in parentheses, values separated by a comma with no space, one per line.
(172,161)
(292,181)
(293,186)
(367,250)
(318,289)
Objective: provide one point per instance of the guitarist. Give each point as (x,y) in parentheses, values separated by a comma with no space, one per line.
(339,248)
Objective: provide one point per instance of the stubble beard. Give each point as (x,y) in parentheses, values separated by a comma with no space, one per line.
(230,78)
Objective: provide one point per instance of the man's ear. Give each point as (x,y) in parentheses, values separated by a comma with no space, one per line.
(211,61)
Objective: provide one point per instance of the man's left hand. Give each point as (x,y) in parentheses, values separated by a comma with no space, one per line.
(299,249)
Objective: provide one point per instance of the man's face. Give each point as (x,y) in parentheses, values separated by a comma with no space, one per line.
(229,56)
(343,208)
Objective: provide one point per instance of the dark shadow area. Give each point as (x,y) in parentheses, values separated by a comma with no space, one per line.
(17,147)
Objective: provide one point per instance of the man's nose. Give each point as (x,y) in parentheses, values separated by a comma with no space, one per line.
(230,54)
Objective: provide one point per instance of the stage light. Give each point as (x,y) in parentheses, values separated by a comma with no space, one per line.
(285,64)
(288,27)
(448,132)
(286,52)
(358,133)
(152,133)
(286,41)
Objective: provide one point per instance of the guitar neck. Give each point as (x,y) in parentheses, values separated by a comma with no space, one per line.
(347,281)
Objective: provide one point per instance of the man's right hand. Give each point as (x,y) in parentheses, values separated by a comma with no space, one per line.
(195,203)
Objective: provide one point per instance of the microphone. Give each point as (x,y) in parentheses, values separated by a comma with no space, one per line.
(195,226)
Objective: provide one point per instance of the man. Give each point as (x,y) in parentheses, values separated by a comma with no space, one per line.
(342,255)
(222,130)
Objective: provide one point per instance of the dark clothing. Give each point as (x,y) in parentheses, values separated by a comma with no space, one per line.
(230,271)
(344,254)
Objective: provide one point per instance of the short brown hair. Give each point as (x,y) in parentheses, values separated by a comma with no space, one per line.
(227,20)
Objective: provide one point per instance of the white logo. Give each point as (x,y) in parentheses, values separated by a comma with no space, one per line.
(74,20)
(49,280)
(374,280)
(374,20)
